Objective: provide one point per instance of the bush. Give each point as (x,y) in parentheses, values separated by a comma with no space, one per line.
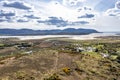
(118,59)
(20,75)
(2,63)
(66,70)
(24,76)
(1,45)
(53,77)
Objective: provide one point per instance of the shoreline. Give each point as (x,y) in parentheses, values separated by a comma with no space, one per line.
(73,37)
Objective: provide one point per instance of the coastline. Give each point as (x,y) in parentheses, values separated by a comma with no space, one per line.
(74,37)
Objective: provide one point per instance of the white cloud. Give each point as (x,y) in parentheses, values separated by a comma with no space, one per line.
(106,23)
(73,3)
(16,4)
(117,5)
(114,11)
(69,10)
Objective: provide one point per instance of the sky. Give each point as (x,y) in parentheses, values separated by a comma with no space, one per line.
(102,15)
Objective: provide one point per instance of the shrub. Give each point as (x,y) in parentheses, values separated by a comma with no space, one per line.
(66,70)
(20,75)
(1,45)
(24,76)
(2,63)
(118,59)
(53,77)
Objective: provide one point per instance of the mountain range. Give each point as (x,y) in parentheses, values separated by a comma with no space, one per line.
(68,31)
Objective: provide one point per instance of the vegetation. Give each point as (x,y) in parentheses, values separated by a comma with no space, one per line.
(23,76)
(67,70)
(53,77)
(53,59)
(118,59)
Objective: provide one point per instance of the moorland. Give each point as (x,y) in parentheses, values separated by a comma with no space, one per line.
(60,59)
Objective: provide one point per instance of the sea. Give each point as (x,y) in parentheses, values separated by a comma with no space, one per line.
(74,37)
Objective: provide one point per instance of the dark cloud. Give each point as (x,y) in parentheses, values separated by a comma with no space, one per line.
(31,17)
(74,3)
(80,22)
(2,20)
(55,21)
(59,22)
(112,15)
(79,9)
(87,16)
(86,8)
(117,4)
(113,12)
(8,17)
(6,14)
(21,20)
(18,5)
(6,20)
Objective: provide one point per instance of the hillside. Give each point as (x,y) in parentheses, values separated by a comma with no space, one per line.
(52,59)
(69,31)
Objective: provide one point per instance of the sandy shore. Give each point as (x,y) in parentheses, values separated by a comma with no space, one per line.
(75,37)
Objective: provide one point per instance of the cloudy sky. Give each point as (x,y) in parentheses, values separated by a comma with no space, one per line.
(102,15)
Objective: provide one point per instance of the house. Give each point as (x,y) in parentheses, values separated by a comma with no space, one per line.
(104,55)
(24,45)
(90,49)
(79,49)
(29,52)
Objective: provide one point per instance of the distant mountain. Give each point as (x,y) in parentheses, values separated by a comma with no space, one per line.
(68,31)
